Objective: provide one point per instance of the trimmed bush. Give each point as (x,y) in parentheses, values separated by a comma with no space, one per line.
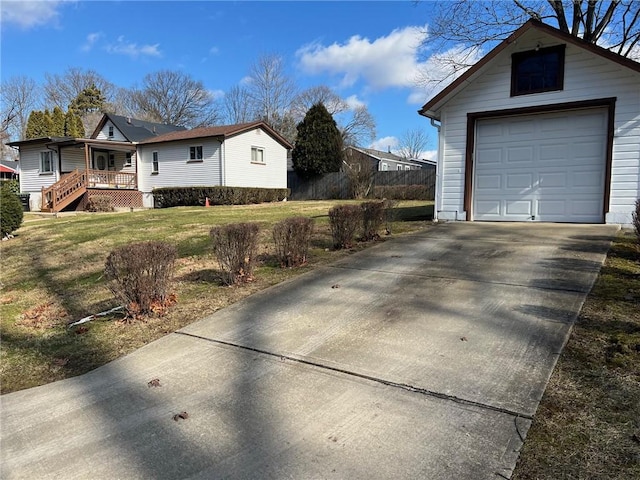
(345,221)
(11,213)
(635,216)
(100,203)
(140,276)
(196,196)
(236,247)
(402,192)
(292,237)
(373,216)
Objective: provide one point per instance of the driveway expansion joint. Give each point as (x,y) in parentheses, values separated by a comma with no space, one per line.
(404,386)
(444,277)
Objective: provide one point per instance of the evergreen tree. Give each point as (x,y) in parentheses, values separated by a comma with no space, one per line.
(58,122)
(73,126)
(319,147)
(47,121)
(36,127)
(89,100)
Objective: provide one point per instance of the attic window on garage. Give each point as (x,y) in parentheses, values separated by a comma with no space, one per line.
(536,71)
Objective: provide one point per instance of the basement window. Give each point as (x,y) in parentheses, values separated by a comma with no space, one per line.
(536,71)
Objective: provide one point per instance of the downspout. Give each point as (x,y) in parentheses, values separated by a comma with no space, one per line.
(223,165)
(437,199)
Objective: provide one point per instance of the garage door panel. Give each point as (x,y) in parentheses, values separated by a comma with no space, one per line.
(548,167)
(519,155)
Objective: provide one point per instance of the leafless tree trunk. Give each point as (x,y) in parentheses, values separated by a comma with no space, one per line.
(237,106)
(19,97)
(175,98)
(61,90)
(413,143)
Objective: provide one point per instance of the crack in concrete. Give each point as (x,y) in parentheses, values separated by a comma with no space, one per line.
(403,386)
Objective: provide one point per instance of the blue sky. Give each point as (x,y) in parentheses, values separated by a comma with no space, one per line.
(367,51)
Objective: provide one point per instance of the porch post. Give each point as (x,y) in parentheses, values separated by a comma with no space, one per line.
(86,157)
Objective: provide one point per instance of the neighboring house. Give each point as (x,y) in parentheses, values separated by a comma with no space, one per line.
(379,161)
(243,155)
(546,127)
(61,172)
(8,170)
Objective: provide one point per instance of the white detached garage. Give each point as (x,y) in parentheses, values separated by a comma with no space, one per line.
(546,128)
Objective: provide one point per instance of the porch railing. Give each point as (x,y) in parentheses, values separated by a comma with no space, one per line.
(107,179)
(72,185)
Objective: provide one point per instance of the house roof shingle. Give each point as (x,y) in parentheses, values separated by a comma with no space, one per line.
(223,131)
(136,130)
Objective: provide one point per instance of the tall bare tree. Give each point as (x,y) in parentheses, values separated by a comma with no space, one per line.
(472,26)
(19,97)
(271,91)
(237,105)
(176,98)
(412,143)
(61,90)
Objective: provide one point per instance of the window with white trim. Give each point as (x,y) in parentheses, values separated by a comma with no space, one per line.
(384,167)
(399,167)
(257,155)
(195,153)
(46,162)
(407,167)
(127,160)
(154,163)
(110,131)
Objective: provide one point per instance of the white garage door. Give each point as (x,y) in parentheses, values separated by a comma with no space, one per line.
(548,167)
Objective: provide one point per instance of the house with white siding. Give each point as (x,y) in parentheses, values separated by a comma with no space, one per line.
(243,155)
(544,128)
(126,158)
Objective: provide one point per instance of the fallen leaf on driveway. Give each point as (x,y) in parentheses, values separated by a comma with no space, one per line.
(181,415)
(154,383)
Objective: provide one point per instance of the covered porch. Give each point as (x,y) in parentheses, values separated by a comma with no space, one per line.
(90,167)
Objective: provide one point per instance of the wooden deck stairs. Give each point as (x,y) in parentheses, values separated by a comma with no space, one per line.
(65,191)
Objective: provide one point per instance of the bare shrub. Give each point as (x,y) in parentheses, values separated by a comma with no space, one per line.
(292,237)
(373,216)
(345,220)
(390,213)
(635,216)
(99,203)
(235,247)
(140,276)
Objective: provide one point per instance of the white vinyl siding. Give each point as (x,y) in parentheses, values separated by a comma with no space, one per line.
(174,169)
(31,181)
(103,134)
(72,158)
(241,171)
(587,77)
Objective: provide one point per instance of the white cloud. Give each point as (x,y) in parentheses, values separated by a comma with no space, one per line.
(389,61)
(133,50)
(354,102)
(385,144)
(216,94)
(214,50)
(92,38)
(28,14)
(392,61)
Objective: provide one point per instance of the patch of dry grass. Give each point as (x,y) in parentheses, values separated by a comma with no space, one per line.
(52,275)
(588,423)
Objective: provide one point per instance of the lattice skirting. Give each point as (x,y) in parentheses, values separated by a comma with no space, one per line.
(119,198)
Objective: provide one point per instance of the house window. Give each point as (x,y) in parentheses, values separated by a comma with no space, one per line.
(154,164)
(257,155)
(195,154)
(384,167)
(535,71)
(110,131)
(399,167)
(407,167)
(127,160)
(46,162)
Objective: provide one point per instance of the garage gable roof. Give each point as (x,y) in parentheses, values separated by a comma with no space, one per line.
(429,108)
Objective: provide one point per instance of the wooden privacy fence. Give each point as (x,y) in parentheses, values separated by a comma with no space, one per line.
(336,185)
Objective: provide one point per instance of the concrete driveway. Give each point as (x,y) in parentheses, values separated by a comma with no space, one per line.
(423,357)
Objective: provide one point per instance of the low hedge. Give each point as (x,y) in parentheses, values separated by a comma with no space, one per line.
(196,196)
(402,192)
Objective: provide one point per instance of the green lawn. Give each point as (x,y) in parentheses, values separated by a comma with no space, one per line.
(52,274)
